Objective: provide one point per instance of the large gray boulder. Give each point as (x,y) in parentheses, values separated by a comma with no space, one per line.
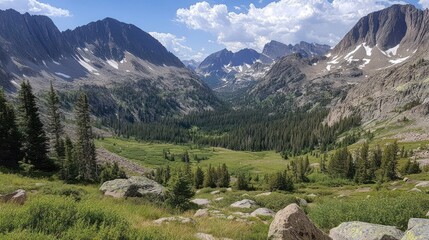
(132,187)
(245,203)
(418,229)
(19,197)
(291,223)
(363,230)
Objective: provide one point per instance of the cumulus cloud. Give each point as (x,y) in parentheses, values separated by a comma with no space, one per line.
(177,45)
(34,7)
(288,21)
(424,3)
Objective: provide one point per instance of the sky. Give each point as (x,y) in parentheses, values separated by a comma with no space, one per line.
(195,29)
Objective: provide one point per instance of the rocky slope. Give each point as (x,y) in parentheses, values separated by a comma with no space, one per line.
(225,71)
(126,72)
(379,70)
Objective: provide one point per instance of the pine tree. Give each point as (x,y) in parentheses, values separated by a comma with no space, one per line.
(55,128)
(341,164)
(210,177)
(180,192)
(85,147)
(363,174)
(242,182)
(390,161)
(35,147)
(70,170)
(323,161)
(10,142)
(198,178)
(223,176)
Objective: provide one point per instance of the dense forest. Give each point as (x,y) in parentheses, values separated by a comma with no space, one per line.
(291,133)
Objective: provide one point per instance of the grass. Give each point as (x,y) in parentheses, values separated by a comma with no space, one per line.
(151,155)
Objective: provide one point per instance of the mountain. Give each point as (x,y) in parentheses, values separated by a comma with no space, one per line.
(399,87)
(379,70)
(191,64)
(225,71)
(125,71)
(276,50)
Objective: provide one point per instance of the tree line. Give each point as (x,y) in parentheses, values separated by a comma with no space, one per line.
(28,144)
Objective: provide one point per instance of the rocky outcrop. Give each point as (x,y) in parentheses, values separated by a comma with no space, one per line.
(245,203)
(19,197)
(202,213)
(132,187)
(418,229)
(362,230)
(263,212)
(183,220)
(291,223)
(201,201)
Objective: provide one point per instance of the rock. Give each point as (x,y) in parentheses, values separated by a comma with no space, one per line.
(423,184)
(312,195)
(418,229)
(243,215)
(291,223)
(245,203)
(263,212)
(415,190)
(229,189)
(427,214)
(174,219)
(202,213)
(19,197)
(406,179)
(132,187)
(230,217)
(201,201)
(264,194)
(219,199)
(363,230)
(215,192)
(204,236)
(302,202)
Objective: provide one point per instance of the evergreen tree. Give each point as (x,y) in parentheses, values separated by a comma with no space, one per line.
(69,172)
(280,181)
(180,192)
(323,161)
(34,147)
(242,182)
(410,167)
(223,176)
(363,167)
(210,178)
(198,178)
(10,142)
(341,164)
(85,147)
(55,127)
(390,161)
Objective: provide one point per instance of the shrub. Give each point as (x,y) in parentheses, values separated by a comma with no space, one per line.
(275,201)
(386,208)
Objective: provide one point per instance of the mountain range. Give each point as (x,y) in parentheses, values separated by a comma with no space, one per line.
(125,71)
(379,70)
(225,71)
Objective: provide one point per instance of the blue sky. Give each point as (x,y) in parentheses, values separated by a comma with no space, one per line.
(194,29)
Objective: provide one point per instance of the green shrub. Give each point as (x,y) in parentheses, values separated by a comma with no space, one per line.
(275,201)
(326,180)
(386,208)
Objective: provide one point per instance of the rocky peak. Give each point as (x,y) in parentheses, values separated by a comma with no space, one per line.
(110,39)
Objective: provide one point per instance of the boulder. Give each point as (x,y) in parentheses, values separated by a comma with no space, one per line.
(311,195)
(204,236)
(406,179)
(264,194)
(363,230)
(422,184)
(132,187)
(245,203)
(218,199)
(201,201)
(174,219)
(263,212)
(302,202)
(415,190)
(291,223)
(19,197)
(215,192)
(202,213)
(418,229)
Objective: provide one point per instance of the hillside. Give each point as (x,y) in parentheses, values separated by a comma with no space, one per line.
(127,72)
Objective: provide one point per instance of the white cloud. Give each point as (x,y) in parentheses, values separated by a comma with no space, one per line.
(34,7)
(424,3)
(177,45)
(289,21)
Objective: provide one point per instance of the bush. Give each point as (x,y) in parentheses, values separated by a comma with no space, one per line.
(61,217)
(275,201)
(386,208)
(328,181)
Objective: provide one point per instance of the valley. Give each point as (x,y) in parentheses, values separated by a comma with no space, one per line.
(106,134)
